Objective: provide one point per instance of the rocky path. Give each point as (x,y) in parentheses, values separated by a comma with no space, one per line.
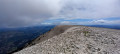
(79,40)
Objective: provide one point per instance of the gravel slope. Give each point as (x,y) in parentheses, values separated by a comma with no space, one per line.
(78,40)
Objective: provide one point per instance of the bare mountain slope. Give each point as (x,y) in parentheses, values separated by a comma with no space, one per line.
(76,40)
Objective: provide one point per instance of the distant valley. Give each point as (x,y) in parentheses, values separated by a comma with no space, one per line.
(12,39)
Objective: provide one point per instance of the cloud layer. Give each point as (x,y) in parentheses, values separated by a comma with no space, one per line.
(18,13)
(91,8)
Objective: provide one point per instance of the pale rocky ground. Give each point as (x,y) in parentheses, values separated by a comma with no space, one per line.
(79,40)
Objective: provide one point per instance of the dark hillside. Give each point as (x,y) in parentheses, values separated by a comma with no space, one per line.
(12,39)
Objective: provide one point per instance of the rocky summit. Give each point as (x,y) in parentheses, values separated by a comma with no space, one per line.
(75,39)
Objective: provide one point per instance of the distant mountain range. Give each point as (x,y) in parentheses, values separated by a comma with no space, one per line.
(106,26)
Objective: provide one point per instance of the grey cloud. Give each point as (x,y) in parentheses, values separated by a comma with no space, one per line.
(91,9)
(18,13)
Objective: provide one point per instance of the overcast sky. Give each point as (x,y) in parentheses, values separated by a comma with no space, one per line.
(20,13)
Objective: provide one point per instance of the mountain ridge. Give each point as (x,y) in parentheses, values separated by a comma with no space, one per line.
(55,31)
(71,39)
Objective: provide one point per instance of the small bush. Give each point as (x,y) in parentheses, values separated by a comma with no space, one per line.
(86,32)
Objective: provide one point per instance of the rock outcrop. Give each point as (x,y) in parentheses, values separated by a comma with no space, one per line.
(66,39)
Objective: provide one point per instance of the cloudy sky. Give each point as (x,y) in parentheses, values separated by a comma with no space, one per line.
(20,13)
